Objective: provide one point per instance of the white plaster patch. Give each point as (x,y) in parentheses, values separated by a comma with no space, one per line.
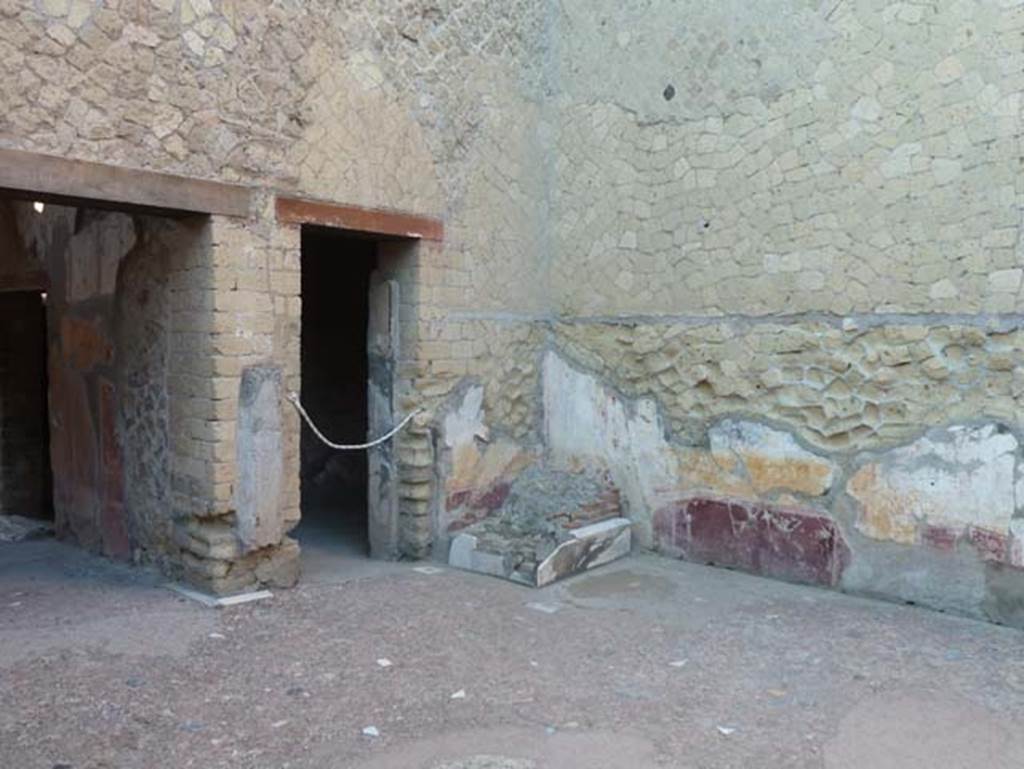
(466,423)
(959,477)
(587,425)
(773,458)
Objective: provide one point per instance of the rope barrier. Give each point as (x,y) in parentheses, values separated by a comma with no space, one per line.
(293,398)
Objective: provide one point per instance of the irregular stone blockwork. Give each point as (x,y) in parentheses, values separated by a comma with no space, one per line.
(180,83)
(478,381)
(842,387)
(933,521)
(785,157)
(430,107)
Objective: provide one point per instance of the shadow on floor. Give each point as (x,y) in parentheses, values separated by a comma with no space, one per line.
(335,547)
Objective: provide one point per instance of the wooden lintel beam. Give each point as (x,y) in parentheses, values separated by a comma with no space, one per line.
(364,220)
(81,182)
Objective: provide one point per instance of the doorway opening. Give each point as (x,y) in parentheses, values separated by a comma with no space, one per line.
(26,486)
(337,266)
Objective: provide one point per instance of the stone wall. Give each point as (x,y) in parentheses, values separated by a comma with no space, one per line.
(784,291)
(759,263)
(427,107)
(844,157)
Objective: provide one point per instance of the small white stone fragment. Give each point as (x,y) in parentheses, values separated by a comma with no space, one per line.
(61,34)
(459,695)
(678,663)
(218,636)
(546,608)
(384,662)
(195,43)
(866,110)
(726,730)
(371,731)
(943,289)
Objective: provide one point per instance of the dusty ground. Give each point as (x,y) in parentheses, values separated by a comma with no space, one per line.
(100,667)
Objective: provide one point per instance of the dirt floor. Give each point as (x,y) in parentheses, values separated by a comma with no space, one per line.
(646,663)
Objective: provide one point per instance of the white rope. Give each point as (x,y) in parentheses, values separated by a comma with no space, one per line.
(294,399)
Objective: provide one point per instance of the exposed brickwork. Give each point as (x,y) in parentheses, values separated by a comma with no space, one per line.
(776,251)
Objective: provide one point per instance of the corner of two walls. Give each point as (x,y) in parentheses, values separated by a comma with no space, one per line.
(916,509)
(799,468)
(786,288)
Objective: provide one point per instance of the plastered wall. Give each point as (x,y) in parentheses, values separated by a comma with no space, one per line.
(784,290)
(422,107)
(771,250)
(787,242)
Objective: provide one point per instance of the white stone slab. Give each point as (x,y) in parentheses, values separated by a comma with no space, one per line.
(590,547)
(215,601)
(465,555)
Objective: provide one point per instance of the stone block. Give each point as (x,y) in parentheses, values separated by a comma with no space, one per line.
(590,547)
(259,458)
(281,566)
(585,548)
(464,554)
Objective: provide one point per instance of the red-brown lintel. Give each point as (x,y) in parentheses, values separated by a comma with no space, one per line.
(368,220)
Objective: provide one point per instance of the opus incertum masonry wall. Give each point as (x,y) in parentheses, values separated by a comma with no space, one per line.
(757,266)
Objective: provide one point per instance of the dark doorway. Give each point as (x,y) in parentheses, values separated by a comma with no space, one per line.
(26,486)
(336,270)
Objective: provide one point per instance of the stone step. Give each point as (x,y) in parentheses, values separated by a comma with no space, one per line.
(586,548)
